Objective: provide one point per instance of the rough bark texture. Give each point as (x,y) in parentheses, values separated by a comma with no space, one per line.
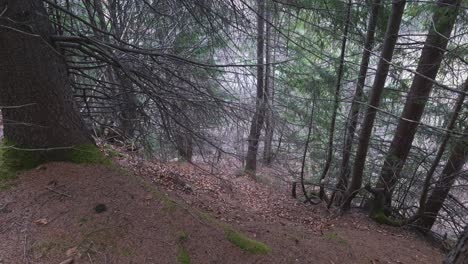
(355,106)
(391,37)
(457,159)
(259,115)
(428,66)
(38,107)
(459,254)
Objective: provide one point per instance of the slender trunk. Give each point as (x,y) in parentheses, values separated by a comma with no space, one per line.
(259,115)
(355,106)
(39,110)
(336,101)
(450,126)
(428,66)
(269,128)
(459,254)
(391,37)
(457,159)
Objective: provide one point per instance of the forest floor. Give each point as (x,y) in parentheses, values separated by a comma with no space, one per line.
(143,212)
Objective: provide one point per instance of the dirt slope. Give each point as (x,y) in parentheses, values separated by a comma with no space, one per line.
(51,216)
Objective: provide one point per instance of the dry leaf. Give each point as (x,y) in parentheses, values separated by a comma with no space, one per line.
(41,221)
(71,251)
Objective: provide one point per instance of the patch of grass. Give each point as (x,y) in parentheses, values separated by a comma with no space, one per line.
(182,256)
(245,243)
(334,236)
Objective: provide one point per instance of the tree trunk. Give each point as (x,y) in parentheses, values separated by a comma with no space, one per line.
(38,107)
(428,66)
(259,115)
(336,104)
(450,126)
(269,78)
(391,37)
(459,254)
(457,159)
(355,106)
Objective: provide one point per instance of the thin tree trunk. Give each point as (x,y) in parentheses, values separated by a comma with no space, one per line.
(391,37)
(336,104)
(269,128)
(259,115)
(459,254)
(428,66)
(450,126)
(457,159)
(39,110)
(355,106)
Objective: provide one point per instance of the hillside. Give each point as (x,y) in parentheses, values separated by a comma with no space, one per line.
(176,213)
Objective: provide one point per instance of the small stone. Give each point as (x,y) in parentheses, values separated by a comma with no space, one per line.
(100,208)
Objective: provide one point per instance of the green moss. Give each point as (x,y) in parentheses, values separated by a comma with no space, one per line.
(14,159)
(246,243)
(87,153)
(183,236)
(334,236)
(182,256)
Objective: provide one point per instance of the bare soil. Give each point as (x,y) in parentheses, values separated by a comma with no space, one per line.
(152,212)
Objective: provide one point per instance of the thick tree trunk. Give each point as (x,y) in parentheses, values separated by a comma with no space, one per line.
(36,98)
(355,106)
(457,159)
(391,37)
(428,66)
(459,254)
(259,115)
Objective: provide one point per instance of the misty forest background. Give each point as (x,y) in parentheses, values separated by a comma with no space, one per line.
(351,103)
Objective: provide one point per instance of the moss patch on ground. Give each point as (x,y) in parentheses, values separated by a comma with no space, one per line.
(334,237)
(182,256)
(246,243)
(14,159)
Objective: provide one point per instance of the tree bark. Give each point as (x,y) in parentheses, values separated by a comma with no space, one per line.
(459,254)
(38,106)
(391,37)
(355,106)
(259,115)
(428,66)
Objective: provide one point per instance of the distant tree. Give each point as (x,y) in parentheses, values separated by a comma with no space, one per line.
(37,102)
